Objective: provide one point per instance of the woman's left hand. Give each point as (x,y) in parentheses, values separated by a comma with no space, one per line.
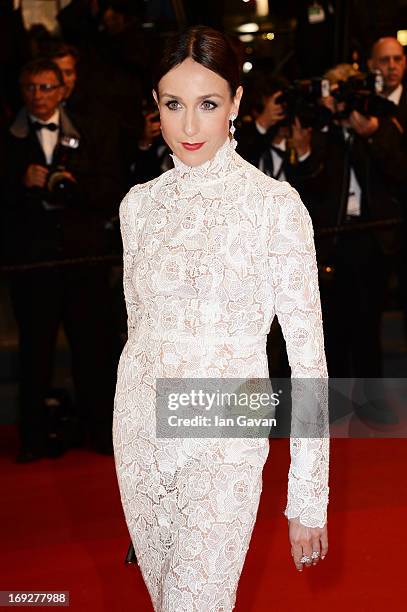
(305,541)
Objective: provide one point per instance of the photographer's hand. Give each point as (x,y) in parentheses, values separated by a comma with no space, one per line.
(301,138)
(329,102)
(364,126)
(151,130)
(272,113)
(35,176)
(69,176)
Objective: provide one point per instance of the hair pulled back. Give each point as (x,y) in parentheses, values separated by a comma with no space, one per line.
(205,46)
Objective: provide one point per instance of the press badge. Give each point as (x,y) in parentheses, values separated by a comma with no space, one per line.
(316,13)
(70,142)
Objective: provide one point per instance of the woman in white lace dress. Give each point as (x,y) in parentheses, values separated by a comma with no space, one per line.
(213,250)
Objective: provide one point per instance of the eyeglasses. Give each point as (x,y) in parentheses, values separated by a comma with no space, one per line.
(42,87)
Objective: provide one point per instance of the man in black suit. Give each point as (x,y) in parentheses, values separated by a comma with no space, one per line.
(266,141)
(143,153)
(66,57)
(388,57)
(148,156)
(360,182)
(61,185)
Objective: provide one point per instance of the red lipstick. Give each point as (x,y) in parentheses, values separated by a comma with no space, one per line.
(192,146)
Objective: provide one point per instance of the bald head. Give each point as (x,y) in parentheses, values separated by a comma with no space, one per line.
(385,44)
(388,57)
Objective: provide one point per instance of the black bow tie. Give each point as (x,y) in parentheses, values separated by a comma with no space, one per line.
(48,126)
(280,152)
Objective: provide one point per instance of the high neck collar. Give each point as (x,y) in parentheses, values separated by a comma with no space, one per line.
(220,165)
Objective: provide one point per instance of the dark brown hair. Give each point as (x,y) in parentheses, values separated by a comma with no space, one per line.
(38,66)
(61,49)
(204,45)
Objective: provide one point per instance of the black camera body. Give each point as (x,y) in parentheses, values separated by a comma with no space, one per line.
(362,94)
(61,191)
(301,99)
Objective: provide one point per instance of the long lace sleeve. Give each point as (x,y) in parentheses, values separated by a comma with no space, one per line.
(297,306)
(128,233)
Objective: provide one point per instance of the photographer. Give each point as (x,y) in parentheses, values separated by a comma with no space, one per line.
(60,185)
(388,57)
(356,187)
(147,156)
(278,144)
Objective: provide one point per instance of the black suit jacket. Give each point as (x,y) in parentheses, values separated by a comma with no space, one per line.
(304,176)
(389,145)
(378,170)
(30,232)
(145,165)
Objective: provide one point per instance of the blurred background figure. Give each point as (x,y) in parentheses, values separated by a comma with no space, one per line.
(278,144)
(61,184)
(388,57)
(66,57)
(357,186)
(147,156)
(13,52)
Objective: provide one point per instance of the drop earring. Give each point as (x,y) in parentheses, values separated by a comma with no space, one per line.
(232,131)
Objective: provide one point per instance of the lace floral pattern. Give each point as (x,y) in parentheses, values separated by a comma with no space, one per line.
(211,254)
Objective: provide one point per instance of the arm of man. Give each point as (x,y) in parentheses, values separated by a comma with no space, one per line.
(389,148)
(387,142)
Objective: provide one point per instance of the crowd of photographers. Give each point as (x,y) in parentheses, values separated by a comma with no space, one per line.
(66,143)
(81,138)
(341,142)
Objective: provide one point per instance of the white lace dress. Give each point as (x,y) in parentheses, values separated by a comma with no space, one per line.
(211,254)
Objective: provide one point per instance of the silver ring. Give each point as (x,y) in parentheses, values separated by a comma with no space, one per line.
(305,559)
(315,554)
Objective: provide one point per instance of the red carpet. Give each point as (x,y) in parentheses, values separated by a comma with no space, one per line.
(62,528)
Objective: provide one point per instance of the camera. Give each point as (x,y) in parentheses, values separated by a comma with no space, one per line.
(301,99)
(362,94)
(62,190)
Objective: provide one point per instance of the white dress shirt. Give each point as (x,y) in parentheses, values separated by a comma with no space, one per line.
(353,208)
(47,139)
(355,193)
(277,160)
(396,95)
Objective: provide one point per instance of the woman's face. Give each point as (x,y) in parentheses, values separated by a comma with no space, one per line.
(195,106)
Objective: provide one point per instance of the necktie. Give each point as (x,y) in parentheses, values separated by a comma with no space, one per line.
(268,166)
(48,126)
